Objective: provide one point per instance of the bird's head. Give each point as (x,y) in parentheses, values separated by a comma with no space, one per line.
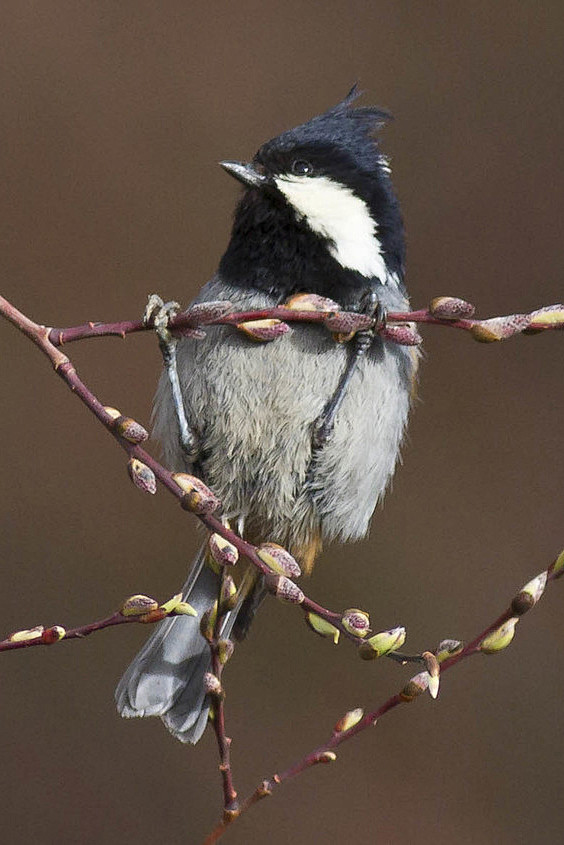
(332,175)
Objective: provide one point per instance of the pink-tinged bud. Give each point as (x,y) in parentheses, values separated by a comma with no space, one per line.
(212,685)
(448,648)
(138,605)
(346,323)
(405,334)
(27,636)
(547,317)
(415,686)
(130,430)
(322,627)
(264,330)
(142,476)
(382,643)
(326,757)
(529,595)
(207,312)
(228,598)
(349,720)
(499,328)
(53,635)
(356,622)
(225,649)
(279,560)
(557,568)
(284,589)
(451,308)
(197,497)
(222,551)
(500,638)
(311,302)
(433,671)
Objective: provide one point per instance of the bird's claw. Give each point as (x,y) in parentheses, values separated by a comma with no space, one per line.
(158,314)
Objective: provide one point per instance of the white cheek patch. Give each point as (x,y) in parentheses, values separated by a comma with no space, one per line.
(335,212)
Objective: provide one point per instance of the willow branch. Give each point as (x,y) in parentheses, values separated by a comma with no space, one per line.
(442,311)
(198,499)
(135,609)
(491,640)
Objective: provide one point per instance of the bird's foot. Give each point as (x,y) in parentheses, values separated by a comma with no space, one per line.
(158,315)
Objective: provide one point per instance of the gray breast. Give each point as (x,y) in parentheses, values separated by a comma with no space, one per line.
(253,405)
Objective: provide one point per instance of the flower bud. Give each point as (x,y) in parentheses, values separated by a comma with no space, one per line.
(348,323)
(451,308)
(222,551)
(228,598)
(499,328)
(382,643)
(311,302)
(27,636)
(550,315)
(212,685)
(405,334)
(138,605)
(207,623)
(131,430)
(349,720)
(500,638)
(529,595)
(142,476)
(322,627)
(415,686)
(557,567)
(448,648)
(326,757)
(279,560)
(53,634)
(206,312)
(284,589)
(197,497)
(264,330)
(225,649)
(356,622)
(433,672)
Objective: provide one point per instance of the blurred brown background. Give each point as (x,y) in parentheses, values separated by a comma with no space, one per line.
(114,116)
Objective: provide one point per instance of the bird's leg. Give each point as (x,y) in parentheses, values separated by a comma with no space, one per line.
(158,314)
(325,423)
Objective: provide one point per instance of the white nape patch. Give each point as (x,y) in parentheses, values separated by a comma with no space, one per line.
(335,212)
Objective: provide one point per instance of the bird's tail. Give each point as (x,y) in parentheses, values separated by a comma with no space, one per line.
(166,678)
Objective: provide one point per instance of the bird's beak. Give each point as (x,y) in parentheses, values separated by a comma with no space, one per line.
(248,174)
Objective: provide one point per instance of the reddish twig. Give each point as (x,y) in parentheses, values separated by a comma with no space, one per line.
(144,469)
(221,651)
(491,640)
(135,609)
(443,311)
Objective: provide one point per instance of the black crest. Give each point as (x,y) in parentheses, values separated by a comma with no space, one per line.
(343,127)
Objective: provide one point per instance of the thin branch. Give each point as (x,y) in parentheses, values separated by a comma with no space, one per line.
(493,639)
(443,311)
(192,494)
(135,609)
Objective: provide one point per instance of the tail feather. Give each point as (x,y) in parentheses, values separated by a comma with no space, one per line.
(166,677)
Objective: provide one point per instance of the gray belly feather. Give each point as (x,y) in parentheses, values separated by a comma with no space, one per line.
(252,407)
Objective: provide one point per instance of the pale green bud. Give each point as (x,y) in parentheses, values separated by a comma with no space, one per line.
(500,638)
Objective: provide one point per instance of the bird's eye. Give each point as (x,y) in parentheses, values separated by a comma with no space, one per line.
(302,168)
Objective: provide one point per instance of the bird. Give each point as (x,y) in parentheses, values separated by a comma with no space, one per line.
(298,438)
